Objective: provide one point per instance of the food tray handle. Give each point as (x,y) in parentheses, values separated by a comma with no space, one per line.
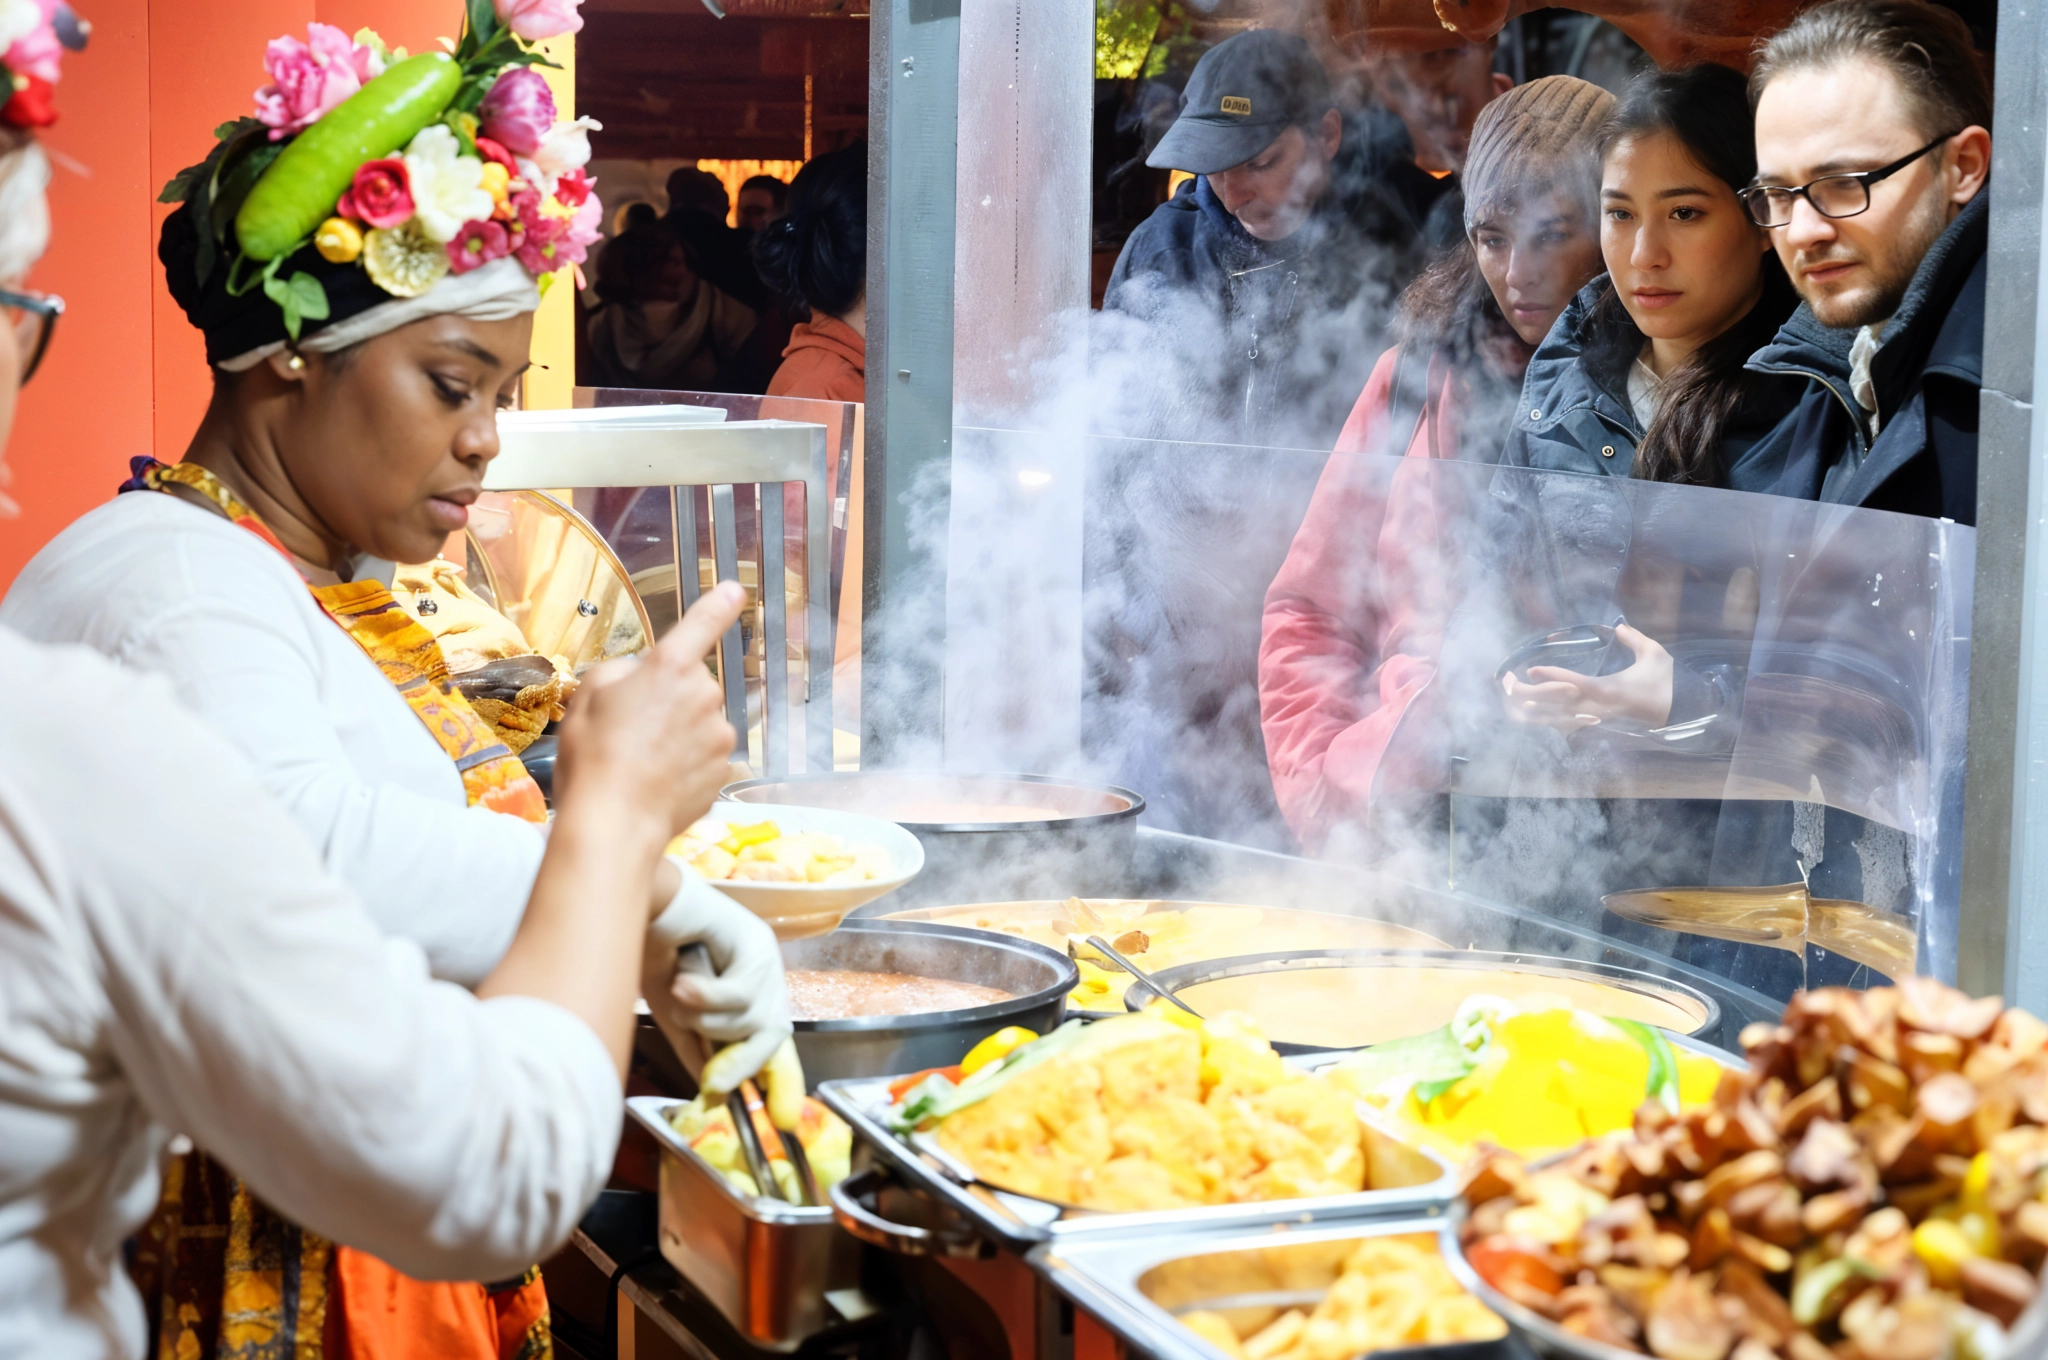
(901,1238)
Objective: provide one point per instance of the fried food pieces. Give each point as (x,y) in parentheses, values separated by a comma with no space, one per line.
(1392,1291)
(1874,1187)
(1148,1113)
(826,1139)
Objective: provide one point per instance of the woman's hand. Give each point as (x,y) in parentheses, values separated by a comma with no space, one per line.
(650,732)
(643,753)
(1568,701)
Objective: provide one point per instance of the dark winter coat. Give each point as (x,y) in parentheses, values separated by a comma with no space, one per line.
(1926,374)
(1575,414)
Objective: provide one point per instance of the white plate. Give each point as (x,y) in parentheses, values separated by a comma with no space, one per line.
(799,910)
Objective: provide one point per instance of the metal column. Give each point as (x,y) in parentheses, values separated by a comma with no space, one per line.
(913,117)
(2004,928)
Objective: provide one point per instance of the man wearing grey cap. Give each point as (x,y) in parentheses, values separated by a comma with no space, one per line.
(1268,276)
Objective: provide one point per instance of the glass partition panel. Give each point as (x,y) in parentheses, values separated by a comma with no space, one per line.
(1725,727)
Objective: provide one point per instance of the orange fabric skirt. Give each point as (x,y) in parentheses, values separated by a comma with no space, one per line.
(225,1278)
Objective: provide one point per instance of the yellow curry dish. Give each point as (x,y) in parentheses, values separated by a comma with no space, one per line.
(1157,935)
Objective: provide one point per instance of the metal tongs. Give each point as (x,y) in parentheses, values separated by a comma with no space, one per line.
(741,1104)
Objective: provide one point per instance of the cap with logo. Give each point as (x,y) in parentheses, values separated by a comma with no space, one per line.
(1243,93)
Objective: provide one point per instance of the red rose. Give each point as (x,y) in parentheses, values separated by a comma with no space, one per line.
(32,105)
(380,196)
(573,188)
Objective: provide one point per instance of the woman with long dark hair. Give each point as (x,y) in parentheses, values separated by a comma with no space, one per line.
(1344,640)
(816,254)
(1644,373)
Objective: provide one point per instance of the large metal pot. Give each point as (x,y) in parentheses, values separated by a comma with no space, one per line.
(986,837)
(1312,1000)
(1038,980)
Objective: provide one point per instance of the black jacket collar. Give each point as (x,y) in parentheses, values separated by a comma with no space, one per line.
(1925,334)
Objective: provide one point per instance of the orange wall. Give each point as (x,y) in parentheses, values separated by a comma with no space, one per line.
(126,375)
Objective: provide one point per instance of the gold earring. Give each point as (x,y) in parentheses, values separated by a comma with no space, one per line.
(296,363)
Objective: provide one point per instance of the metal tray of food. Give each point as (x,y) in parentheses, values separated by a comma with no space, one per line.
(1286,990)
(765,1264)
(1140,1288)
(1021,1222)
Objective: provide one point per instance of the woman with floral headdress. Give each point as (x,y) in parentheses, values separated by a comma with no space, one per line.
(174,955)
(364,254)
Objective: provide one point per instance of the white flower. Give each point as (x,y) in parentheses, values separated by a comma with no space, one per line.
(566,147)
(447,186)
(18,19)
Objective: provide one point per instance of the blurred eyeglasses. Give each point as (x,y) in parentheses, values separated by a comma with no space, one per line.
(35,319)
(1770,205)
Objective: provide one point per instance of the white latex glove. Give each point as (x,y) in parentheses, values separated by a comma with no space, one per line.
(728,995)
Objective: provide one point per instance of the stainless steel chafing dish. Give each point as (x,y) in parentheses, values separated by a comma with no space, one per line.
(765,1264)
(1411,1180)
(1138,1287)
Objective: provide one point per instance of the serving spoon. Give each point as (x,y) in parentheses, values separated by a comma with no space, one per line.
(1138,975)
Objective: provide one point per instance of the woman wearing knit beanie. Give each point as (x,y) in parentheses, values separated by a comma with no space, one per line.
(1339,660)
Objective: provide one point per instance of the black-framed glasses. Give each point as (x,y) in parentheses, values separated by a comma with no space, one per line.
(1770,205)
(35,321)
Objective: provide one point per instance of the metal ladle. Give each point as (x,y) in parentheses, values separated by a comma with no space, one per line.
(1138,975)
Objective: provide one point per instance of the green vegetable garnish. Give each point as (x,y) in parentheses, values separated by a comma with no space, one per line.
(300,187)
(1663,1083)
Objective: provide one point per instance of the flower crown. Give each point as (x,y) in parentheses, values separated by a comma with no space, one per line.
(34,36)
(411,167)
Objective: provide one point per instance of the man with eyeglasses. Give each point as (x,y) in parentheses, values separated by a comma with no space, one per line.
(1872,159)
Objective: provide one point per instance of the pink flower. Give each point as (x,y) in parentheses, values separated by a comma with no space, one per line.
(478,243)
(518,111)
(540,244)
(380,196)
(573,189)
(35,50)
(537,19)
(308,79)
(584,229)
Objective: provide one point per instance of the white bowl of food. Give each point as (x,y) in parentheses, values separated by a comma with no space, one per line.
(800,869)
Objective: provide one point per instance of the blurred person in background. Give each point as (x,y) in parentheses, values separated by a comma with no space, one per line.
(816,255)
(661,324)
(1644,375)
(697,211)
(1266,278)
(760,202)
(1873,159)
(1346,639)
(1436,96)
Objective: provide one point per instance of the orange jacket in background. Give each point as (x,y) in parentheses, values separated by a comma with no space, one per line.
(825,359)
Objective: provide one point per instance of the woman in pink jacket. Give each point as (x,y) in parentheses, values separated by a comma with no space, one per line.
(1351,620)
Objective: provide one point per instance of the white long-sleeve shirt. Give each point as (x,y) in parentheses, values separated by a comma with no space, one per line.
(173,956)
(162,585)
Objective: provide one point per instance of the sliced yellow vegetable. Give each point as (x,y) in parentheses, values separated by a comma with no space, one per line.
(739,838)
(1942,1248)
(782,1084)
(995,1048)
